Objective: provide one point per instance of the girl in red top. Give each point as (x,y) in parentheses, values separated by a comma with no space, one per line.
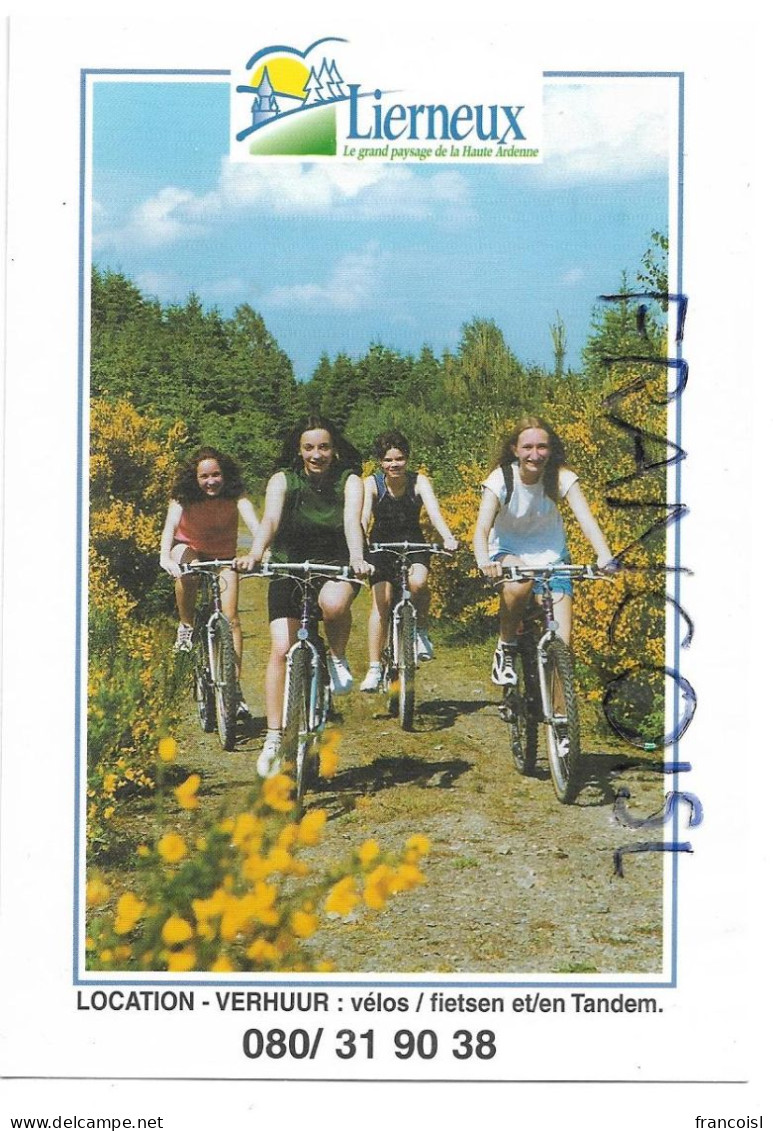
(201,523)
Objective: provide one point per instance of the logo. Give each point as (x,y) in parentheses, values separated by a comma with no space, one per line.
(290,101)
(305,103)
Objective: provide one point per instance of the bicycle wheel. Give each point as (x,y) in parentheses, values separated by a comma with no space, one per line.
(202,685)
(406,638)
(563,723)
(520,704)
(224,675)
(296,740)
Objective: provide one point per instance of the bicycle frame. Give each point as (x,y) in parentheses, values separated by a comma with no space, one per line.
(552,659)
(302,732)
(402,596)
(544,609)
(218,677)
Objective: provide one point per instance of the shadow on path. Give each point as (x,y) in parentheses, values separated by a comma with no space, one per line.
(385,773)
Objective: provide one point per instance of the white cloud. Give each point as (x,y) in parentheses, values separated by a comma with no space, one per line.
(365,190)
(352,284)
(572,276)
(611,129)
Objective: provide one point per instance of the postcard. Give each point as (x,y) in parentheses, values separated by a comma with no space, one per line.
(376,720)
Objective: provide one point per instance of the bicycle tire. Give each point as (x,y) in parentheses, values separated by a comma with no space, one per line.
(224,679)
(406,643)
(202,685)
(521,702)
(563,724)
(297,739)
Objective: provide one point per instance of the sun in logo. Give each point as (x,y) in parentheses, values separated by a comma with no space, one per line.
(283,82)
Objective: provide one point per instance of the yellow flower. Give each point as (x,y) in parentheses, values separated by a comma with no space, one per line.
(129,910)
(109,783)
(172,848)
(328,762)
(109,812)
(407,876)
(176,930)
(255,867)
(342,897)
(180,960)
(241,913)
(205,909)
(378,887)
(303,924)
(288,836)
(247,827)
(106,956)
(276,793)
(90,944)
(97,892)
(418,844)
(328,754)
(186,793)
(143,850)
(262,951)
(368,852)
(221,965)
(311,826)
(167,749)
(324,967)
(122,953)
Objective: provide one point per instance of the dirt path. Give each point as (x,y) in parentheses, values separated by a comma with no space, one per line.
(516,882)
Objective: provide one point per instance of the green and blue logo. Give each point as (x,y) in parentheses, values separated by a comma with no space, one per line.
(303,103)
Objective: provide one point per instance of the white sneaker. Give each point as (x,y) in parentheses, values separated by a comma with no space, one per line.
(503,672)
(425,649)
(270,758)
(184,641)
(341,678)
(372,681)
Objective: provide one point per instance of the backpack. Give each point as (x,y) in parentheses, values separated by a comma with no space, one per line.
(507,471)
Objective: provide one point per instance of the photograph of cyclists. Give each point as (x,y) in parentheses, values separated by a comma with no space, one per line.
(443,382)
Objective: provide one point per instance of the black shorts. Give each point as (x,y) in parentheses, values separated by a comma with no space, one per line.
(285,597)
(387,565)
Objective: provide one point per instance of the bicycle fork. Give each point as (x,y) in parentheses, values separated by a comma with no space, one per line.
(403,607)
(542,662)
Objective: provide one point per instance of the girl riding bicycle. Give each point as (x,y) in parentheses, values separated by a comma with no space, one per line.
(394,498)
(519,523)
(202,523)
(312,512)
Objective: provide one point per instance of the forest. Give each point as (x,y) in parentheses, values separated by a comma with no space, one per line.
(166,378)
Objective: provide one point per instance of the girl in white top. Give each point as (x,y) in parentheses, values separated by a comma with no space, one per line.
(526,528)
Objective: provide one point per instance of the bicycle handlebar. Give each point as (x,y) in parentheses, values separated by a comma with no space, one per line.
(532,573)
(408,548)
(207,567)
(305,569)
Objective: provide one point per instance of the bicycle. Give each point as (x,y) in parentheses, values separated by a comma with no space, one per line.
(214,659)
(399,657)
(307,694)
(544,692)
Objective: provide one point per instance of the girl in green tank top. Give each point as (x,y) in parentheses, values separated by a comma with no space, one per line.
(312,512)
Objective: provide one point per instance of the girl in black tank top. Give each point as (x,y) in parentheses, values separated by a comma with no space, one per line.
(394,498)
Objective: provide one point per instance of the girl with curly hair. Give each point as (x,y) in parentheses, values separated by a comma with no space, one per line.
(202,523)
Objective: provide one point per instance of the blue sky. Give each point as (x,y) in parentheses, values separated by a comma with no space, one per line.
(335,257)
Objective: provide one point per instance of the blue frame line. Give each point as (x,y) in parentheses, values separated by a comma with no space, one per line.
(256,981)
